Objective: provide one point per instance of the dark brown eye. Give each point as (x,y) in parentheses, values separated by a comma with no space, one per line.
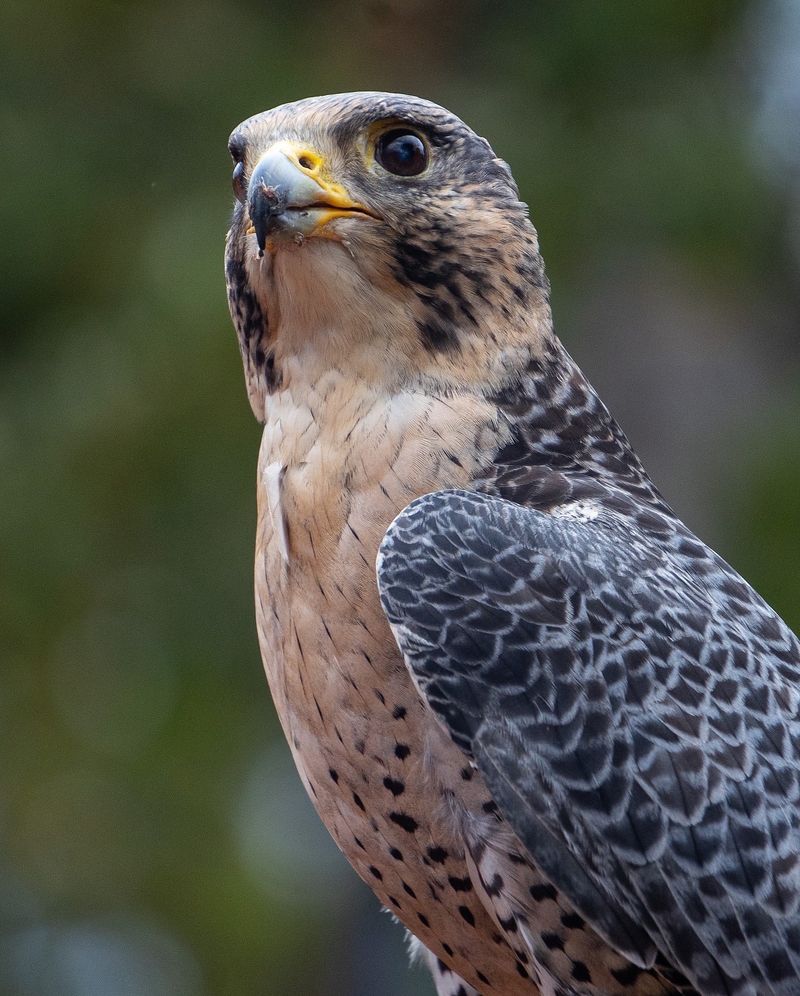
(236,148)
(237,181)
(401,152)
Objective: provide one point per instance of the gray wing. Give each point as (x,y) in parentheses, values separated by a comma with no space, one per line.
(637,724)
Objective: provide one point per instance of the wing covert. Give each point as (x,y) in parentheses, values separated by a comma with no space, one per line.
(640,739)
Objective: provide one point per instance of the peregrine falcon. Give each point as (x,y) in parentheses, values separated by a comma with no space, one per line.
(555,733)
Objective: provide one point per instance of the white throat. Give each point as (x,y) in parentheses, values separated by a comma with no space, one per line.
(325,309)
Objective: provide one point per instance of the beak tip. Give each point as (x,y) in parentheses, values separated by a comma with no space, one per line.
(266,203)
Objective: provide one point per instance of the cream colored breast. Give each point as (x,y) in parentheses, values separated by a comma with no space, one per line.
(339,459)
(338,454)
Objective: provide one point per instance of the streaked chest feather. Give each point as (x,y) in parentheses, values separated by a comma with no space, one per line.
(338,460)
(337,464)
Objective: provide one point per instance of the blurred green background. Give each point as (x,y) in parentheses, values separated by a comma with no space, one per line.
(153,837)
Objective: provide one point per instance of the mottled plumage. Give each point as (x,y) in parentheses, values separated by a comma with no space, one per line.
(579,771)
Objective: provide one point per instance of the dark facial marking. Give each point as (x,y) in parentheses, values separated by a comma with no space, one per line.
(245,309)
(250,324)
(437,337)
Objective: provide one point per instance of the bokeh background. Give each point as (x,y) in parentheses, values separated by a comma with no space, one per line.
(153,837)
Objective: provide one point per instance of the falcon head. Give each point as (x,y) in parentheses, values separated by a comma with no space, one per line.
(376,233)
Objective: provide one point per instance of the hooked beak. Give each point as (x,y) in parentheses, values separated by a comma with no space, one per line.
(290,194)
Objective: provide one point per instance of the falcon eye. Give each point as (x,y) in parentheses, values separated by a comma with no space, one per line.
(401,152)
(236,148)
(237,181)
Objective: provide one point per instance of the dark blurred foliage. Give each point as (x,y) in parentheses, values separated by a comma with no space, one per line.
(154,838)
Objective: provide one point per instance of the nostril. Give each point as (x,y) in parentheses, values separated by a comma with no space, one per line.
(306,162)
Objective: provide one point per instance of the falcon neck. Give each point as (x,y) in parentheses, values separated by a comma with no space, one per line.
(558,420)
